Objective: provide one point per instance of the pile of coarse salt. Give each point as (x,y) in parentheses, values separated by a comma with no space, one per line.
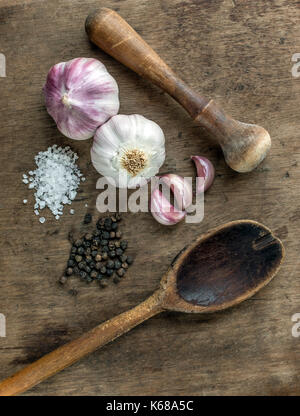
(55,180)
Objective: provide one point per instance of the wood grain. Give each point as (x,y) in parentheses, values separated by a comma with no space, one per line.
(238,53)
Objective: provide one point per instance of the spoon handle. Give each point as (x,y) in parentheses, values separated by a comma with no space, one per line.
(71,352)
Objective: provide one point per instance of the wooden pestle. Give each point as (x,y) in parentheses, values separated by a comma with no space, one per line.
(244,145)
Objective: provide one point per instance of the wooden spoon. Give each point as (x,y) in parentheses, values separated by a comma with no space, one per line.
(244,145)
(220,269)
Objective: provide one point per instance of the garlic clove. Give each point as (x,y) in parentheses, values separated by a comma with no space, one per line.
(164,212)
(181,188)
(205,170)
(128,149)
(80,95)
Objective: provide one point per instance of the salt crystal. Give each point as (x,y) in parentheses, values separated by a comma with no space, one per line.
(25,201)
(56,179)
(25,180)
(72,211)
(42,220)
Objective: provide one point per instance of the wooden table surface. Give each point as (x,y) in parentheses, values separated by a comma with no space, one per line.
(237,52)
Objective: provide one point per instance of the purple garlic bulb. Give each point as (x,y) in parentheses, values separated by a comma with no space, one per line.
(80,95)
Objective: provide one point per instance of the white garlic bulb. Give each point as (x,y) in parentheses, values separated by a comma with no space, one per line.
(80,95)
(128,150)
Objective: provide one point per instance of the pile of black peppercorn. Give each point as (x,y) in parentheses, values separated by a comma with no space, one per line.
(99,255)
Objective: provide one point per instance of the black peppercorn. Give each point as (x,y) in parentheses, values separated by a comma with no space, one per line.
(88,237)
(121,272)
(110,264)
(114,226)
(99,276)
(123,244)
(69,271)
(88,259)
(123,258)
(83,275)
(63,280)
(103,282)
(117,264)
(119,252)
(107,221)
(80,250)
(96,241)
(117,280)
(100,223)
(105,235)
(71,263)
(93,274)
(81,265)
(111,245)
(87,219)
(129,260)
(98,257)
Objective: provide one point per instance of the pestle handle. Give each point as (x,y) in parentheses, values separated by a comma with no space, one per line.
(244,145)
(108,30)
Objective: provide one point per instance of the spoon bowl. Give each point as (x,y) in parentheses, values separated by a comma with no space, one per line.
(220,269)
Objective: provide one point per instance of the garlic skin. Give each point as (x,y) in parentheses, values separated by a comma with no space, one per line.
(80,96)
(161,209)
(164,212)
(128,150)
(181,189)
(205,170)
